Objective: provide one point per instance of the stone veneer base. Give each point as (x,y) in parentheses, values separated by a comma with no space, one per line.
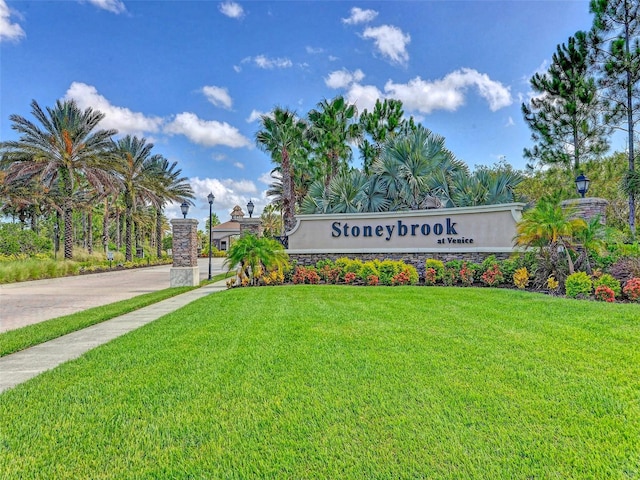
(184,277)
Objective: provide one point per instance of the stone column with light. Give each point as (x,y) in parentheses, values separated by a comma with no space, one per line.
(587,207)
(250,225)
(185,271)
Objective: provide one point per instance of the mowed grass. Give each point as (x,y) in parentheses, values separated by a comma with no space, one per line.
(343,382)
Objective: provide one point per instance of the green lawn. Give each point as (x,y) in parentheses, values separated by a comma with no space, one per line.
(343,382)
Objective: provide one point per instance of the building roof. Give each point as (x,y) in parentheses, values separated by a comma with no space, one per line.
(230,226)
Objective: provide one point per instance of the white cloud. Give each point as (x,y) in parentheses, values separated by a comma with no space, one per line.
(510,122)
(343,78)
(364,96)
(422,96)
(265,62)
(266,178)
(449,92)
(227,192)
(359,15)
(231,9)
(8,31)
(239,165)
(313,50)
(218,96)
(120,118)
(390,41)
(206,132)
(254,115)
(113,6)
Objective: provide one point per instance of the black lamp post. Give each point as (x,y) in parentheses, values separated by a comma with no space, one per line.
(582,184)
(210,197)
(250,208)
(184,208)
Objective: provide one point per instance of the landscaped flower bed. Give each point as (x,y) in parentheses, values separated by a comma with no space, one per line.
(518,272)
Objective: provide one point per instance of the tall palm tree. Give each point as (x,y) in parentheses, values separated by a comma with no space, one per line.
(172,188)
(65,151)
(138,173)
(333,126)
(282,136)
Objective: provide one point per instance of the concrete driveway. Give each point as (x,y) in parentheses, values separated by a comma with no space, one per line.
(26,303)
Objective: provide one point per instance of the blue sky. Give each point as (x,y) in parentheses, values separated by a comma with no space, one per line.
(193,77)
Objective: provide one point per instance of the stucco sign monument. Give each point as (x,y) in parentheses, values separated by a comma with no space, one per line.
(485,229)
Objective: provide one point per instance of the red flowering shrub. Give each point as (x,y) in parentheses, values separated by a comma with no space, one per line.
(306,275)
(330,274)
(402,278)
(632,289)
(349,277)
(493,276)
(373,280)
(605,294)
(466,275)
(430,276)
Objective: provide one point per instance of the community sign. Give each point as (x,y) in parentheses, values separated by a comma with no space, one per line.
(489,229)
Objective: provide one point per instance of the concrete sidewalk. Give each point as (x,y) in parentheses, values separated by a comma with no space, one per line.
(26,364)
(26,303)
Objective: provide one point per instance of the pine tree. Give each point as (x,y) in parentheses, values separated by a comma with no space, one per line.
(564,116)
(616,42)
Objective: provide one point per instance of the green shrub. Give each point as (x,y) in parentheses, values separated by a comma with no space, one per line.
(608,281)
(437,265)
(14,240)
(578,284)
(369,269)
(348,265)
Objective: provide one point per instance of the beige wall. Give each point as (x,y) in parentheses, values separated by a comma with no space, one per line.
(470,229)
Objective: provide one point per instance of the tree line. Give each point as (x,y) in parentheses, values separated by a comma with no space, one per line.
(63,163)
(405,166)
(590,90)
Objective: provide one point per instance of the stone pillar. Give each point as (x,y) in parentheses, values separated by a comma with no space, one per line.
(185,271)
(251,225)
(587,208)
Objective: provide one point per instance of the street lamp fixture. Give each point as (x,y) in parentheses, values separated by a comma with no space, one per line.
(250,208)
(184,208)
(582,184)
(211,198)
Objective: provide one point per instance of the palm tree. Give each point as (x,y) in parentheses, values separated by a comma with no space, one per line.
(172,188)
(271,221)
(66,152)
(251,254)
(410,163)
(333,126)
(282,136)
(485,186)
(138,171)
(593,238)
(552,229)
(347,192)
